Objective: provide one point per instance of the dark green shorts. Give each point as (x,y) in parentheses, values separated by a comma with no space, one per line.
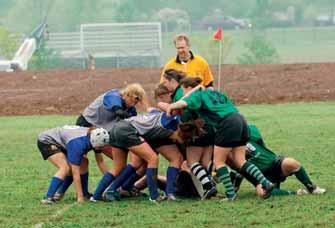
(232,131)
(123,135)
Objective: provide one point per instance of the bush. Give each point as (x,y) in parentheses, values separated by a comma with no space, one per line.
(209,48)
(45,59)
(260,51)
(9,43)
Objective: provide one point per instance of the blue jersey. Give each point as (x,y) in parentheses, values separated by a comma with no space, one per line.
(72,139)
(101,112)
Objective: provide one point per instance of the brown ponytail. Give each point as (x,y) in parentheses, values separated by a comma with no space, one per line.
(190,82)
(174,74)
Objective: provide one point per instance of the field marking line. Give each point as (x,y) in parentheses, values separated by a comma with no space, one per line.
(58,213)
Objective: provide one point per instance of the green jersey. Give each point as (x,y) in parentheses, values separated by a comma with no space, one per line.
(178,94)
(210,105)
(257,153)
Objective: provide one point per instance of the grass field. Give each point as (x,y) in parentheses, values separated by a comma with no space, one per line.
(294,45)
(302,130)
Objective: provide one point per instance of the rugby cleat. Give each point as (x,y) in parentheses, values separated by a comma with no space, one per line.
(301,191)
(229,199)
(318,191)
(171,197)
(112,196)
(158,200)
(88,196)
(209,193)
(47,201)
(93,200)
(58,196)
(267,190)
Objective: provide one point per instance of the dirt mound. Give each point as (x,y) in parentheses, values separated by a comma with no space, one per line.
(70,91)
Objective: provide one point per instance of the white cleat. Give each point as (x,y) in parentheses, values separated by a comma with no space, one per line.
(158,200)
(301,191)
(319,191)
(47,201)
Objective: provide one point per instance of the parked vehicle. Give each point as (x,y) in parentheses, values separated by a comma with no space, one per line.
(225,22)
(324,20)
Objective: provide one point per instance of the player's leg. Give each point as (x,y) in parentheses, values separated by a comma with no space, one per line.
(220,157)
(247,168)
(175,158)
(119,162)
(291,166)
(140,165)
(59,160)
(194,155)
(144,151)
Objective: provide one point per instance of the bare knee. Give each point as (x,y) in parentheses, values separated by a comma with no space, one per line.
(64,170)
(290,165)
(153,161)
(84,165)
(116,170)
(138,164)
(177,161)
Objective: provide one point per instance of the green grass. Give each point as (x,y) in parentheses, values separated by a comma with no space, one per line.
(302,130)
(294,45)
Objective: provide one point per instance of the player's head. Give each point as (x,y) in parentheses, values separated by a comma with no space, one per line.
(162,94)
(172,78)
(133,94)
(99,137)
(191,129)
(189,83)
(182,44)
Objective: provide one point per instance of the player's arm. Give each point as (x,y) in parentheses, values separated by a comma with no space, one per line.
(101,162)
(75,155)
(77,182)
(163,106)
(178,105)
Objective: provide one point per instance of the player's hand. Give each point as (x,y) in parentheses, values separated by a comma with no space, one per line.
(260,191)
(80,200)
(169,111)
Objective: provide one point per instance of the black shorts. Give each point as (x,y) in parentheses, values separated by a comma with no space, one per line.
(206,140)
(275,172)
(123,135)
(48,150)
(232,131)
(182,149)
(81,121)
(159,142)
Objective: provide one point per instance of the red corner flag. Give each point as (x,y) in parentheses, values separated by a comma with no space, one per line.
(218,34)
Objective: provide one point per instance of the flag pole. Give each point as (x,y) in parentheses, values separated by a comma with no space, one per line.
(218,36)
(220,59)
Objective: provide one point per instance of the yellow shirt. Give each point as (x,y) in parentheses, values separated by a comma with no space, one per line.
(194,67)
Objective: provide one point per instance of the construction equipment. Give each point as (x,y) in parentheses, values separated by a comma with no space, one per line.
(25,51)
